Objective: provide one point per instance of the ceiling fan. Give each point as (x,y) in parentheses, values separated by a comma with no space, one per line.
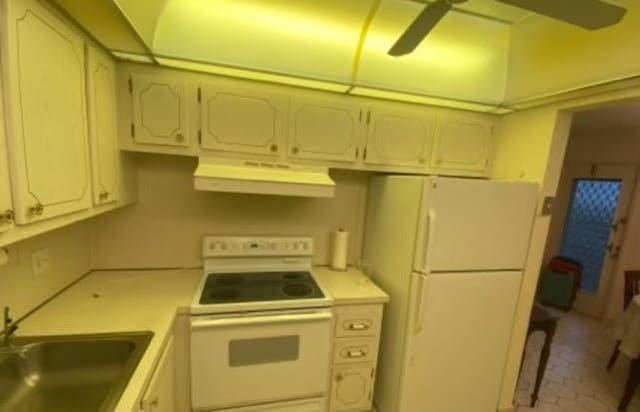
(589,14)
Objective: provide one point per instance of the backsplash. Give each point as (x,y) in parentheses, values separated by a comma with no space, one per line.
(61,257)
(165,227)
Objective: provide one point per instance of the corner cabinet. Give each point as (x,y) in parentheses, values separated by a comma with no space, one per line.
(239,120)
(160,108)
(399,136)
(48,148)
(160,394)
(324,128)
(355,357)
(103,132)
(463,144)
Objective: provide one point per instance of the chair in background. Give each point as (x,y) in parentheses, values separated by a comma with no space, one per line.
(631,288)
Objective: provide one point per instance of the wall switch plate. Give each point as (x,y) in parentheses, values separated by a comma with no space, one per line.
(40,262)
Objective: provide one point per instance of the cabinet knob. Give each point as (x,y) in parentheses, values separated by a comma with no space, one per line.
(273,148)
(37,209)
(356,354)
(6,217)
(422,160)
(179,137)
(358,326)
(104,195)
(295,150)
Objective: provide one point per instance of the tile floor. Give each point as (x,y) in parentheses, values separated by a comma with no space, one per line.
(576,379)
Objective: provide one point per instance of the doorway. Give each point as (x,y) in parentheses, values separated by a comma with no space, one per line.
(596,198)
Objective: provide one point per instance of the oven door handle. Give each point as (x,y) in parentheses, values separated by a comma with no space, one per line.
(260,320)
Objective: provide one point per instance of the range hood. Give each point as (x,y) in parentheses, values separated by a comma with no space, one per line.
(262,178)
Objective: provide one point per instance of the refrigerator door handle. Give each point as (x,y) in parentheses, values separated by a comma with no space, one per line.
(428,242)
(419,306)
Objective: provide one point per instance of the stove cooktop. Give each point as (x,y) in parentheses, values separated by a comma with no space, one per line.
(222,288)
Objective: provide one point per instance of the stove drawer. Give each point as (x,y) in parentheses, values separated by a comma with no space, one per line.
(261,358)
(307,405)
(355,350)
(358,320)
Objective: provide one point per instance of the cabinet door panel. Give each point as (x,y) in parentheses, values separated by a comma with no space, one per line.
(103,135)
(48,133)
(351,388)
(399,138)
(160,394)
(324,129)
(160,110)
(6,207)
(463,144)
(241,121)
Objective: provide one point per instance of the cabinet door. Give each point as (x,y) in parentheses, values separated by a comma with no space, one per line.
(399,136)
(463,143)
(239,120)
(159,110)
(6,208)
(159,396)
(103,135)
(352,388)
(324,129)
(48,144)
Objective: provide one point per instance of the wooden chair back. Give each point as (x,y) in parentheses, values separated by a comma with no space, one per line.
(631,285)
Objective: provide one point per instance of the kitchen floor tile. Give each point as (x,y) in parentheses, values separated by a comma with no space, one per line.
(576,379)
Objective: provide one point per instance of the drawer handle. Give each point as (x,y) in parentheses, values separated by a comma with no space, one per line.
(356,354)
(358,326)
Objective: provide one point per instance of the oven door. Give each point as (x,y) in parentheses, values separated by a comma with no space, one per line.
(256,358)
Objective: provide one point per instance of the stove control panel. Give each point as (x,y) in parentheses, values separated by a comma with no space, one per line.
(224,246)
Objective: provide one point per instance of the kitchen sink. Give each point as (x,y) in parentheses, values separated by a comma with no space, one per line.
(74,373)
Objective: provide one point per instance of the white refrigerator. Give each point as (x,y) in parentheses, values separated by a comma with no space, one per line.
(450,252)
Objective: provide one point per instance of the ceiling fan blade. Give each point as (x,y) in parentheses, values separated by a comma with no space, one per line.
(589,14)
(420,27)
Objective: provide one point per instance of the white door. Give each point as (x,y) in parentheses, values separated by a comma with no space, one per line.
(241,120)
(160,394)
(103,134)
(593,203)
(463,143)
(327,128)
(399,136)
(460,328)
(160,110)
(48,142)
(247,360)
(473,224)
(6,207)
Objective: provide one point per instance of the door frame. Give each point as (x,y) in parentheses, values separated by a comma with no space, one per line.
(590,304)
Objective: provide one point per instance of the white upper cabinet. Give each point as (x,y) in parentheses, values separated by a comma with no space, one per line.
(160,110)
(241,120)
(324,128)
(48,147)
(463,143)
(399,136)
(103,134)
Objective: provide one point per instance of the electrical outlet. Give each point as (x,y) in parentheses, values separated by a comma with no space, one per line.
(40,262)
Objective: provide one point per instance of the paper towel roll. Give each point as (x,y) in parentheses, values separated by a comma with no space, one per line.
(340,250)
(4,256)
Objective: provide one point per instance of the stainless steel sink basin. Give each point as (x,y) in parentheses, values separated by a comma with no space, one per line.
(75,373)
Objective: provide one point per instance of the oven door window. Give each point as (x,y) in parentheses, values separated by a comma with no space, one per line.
(256,351)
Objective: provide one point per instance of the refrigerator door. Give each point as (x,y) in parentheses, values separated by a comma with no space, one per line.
(470,225)
(457,344)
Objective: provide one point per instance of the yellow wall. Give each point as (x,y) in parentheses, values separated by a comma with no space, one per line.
(165,227)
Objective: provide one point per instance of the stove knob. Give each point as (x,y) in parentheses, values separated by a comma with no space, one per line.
(223,246)
(295,246)
(305,245)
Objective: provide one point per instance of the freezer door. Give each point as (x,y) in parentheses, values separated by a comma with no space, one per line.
(469,224)
(458,340)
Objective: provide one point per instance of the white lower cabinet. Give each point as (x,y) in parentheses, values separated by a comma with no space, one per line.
(355,356)
(160,394)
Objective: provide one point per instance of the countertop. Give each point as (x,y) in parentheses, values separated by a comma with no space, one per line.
(148,300)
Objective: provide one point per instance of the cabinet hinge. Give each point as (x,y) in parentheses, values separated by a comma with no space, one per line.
(357,152)
(364,154)
(199,94)
(133,130)
(130,85)
(360,118)
(368,116)
(200,137)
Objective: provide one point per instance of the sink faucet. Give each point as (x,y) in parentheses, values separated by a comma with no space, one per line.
(9,329)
